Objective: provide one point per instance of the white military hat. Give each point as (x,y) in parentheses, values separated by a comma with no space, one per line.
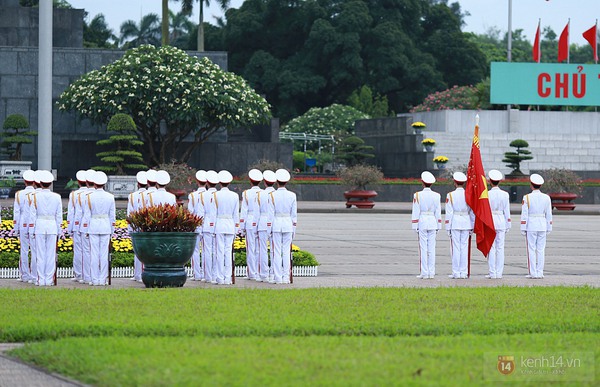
(38,175)
(80,175)
(459,177)
(100,178)
(427,177)
(141,177)
(225,177)
(282,175)
(269,176)
(255,175)
(151,175)
(29,175)
(89,175)
(212,177)
(495,175)
(46,177)
(163,177)
(201,175)
(536,179)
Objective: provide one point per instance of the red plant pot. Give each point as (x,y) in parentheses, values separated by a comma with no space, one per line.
(360,198)
(562,201)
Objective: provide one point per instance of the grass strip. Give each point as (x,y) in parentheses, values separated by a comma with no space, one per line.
(299,361)
(36,314)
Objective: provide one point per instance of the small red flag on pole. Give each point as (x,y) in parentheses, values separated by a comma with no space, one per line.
(591,36)
(476,195)
(563,44)
(537,50)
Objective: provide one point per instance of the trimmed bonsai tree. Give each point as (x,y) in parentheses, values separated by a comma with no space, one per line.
(513,159)
(15,134)
(354,151)
(123,156)
(359,176)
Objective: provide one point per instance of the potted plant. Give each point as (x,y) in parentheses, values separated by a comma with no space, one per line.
(440,161)
(6,184)
(357,177)
(354,151)
(428,143)
(15,133)
(164,239)
(563,186)
(513,159)
(418,127)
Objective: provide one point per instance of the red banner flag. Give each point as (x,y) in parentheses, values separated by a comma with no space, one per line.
(537,51)
(591,36)
(476,195)
(563,45)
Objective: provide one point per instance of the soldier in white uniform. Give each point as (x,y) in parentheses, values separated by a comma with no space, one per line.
(151,176)
(500,206)
(460,221)
(284,228)
(536,224)
(99,211)
(264,201)
(73,226)
(208,211)
(47,212)
(86,256)
(194,205)
(161,196)
(31,226)
(135,202)
(227,224)
(426,222)
(249,221)
(21,223)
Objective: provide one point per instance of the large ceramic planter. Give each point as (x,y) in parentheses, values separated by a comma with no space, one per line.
(164,255)
(562,200)
(360,198)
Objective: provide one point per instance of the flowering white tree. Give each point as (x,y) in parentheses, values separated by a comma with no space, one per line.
(191,97)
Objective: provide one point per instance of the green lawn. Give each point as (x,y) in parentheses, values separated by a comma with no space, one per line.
(362,336)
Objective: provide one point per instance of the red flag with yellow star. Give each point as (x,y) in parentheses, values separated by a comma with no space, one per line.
(476,195)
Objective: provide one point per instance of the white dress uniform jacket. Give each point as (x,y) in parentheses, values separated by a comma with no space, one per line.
(500,206)
(161,196)
(250,213)
(460,221)
(207,209)
(427,221)
(227,204)
(47,212)
(284,228)
(264,200)
(100,211)
(536,223)
(20,226)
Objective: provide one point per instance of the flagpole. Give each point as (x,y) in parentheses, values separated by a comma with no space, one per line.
(568,39)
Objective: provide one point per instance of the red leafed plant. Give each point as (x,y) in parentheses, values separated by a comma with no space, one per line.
(164,218)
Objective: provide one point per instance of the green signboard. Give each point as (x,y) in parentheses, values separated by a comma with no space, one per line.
(545,84)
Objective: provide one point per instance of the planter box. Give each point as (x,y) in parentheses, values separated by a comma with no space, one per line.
(121,186)
(127,272)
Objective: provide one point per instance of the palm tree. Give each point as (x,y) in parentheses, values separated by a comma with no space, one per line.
(187,6)
(97,33)
(181,27)
(147,32)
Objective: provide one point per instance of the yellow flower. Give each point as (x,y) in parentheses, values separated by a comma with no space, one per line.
(418,124)
(440,159)
(428,141)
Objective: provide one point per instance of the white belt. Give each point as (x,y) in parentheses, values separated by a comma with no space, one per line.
(282,215)
(224,217)
(46,217)
(461,213)
(537,215)
(427,213)
(100,216)
(498,212)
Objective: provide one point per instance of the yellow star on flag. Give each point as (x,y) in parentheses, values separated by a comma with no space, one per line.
(484,193)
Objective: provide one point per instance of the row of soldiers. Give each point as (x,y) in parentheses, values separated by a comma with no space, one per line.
(536,224)
(267,218)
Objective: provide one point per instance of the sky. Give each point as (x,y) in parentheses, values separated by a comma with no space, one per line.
(483,14)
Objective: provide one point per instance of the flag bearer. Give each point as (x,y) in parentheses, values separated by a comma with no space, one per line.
(135,202)
(460,221)
(536,224)
(249,221)
(264,200)
(500,206)
(21,223)
(47,212)
(227,205)
(426,222)
(194,207)
(284,228)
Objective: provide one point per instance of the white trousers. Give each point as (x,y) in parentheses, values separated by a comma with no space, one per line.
(46,258)
(208,256)
(496,255)
(138,268)
(536,246)
(196,260)
(460,253)
(252,253)
(264,240)
(24,268)
(427,252)
(282,243)
(99,258)
(33,265)
(77,255)
(224,249)
(86,260)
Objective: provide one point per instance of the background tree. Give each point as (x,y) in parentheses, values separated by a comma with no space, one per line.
(178,101)
(15,134)
(513,159)
(354,151)
(181,28)
(374,106)
(147,32)
(122,156)
(96,34)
